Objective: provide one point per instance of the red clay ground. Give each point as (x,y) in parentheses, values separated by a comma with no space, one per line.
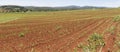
(58,35)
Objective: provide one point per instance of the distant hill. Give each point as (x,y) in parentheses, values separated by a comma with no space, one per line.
(15,8)
(72,7)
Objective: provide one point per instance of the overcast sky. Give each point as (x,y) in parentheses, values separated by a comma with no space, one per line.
(106,3)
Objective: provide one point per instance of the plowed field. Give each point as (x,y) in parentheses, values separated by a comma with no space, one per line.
(59,31)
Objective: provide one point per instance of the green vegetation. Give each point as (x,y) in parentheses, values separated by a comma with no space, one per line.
(21,34)
(84,47)
(6,17)
(94,41)
(58,28)
(13,8)
(75,49)
(111,29)
(117,41)
(116,18)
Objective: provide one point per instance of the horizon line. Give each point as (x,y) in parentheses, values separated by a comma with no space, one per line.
(63,6)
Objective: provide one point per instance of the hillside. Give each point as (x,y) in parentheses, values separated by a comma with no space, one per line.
(62,8)
(14,8)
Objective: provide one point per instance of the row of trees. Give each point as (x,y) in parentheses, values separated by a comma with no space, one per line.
(7,9)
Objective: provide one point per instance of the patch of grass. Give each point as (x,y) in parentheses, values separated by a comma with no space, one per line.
(94,41)
(116,18)
(117,43)
(81,45)
(58,28)
(84,47)
(21,34)
(111,29)
(6,17)
(75,49)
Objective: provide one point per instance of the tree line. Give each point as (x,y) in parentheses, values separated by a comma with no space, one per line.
(7,9)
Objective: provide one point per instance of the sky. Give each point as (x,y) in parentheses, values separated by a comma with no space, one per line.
(54,3)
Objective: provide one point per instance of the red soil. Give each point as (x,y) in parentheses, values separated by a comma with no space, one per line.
(51,36)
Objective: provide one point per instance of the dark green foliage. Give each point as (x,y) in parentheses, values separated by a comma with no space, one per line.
(116,19)
(21,34)
(94,41)
(13,8)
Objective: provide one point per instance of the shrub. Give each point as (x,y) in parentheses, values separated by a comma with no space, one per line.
(94,41)
(58,28)
(117,18)
(21,34)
